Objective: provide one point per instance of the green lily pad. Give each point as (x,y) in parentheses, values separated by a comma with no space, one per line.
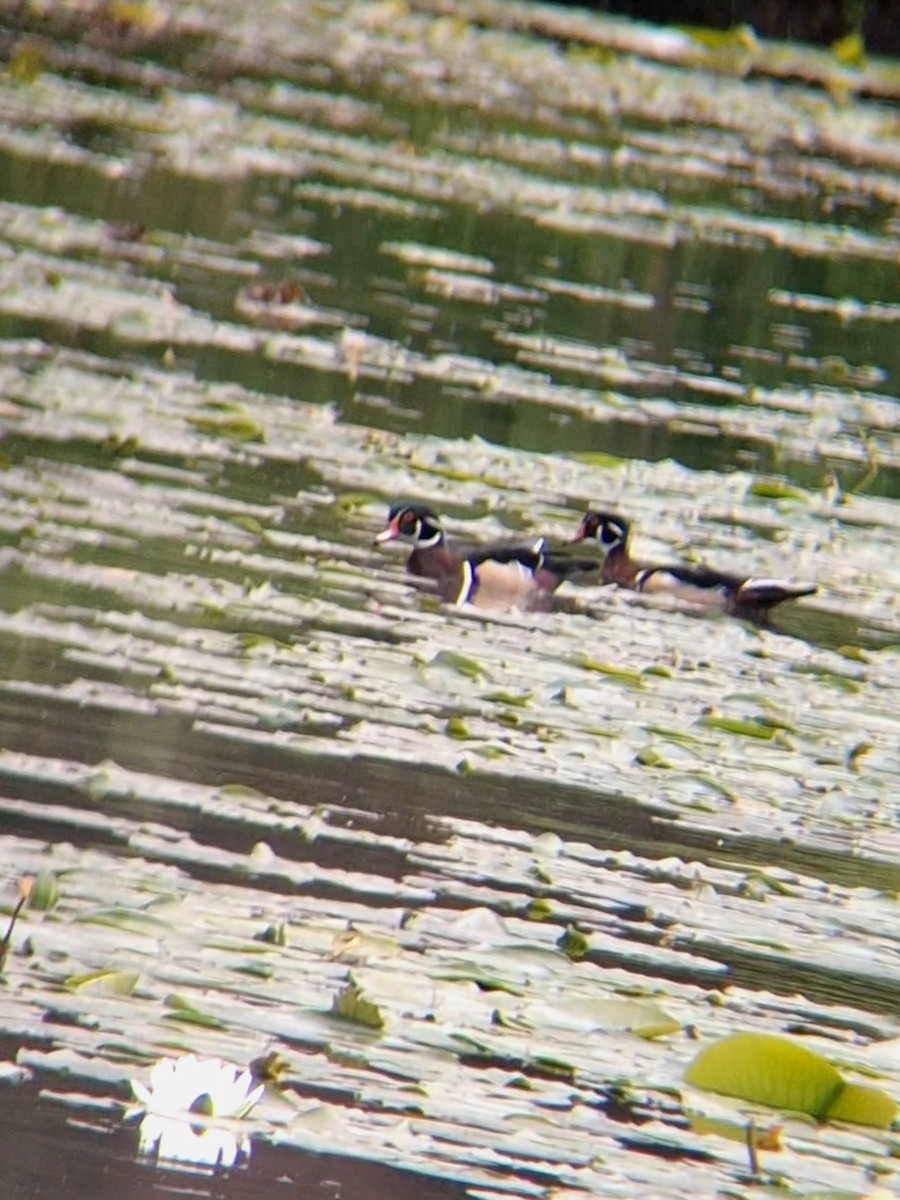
(107,983)
(850,50)
(573,944)
(766,1069)
(714,785)
(516,699)
(623,674)
(350,1004)
(648,757)
(235,427)
(752,728)
(185,1013)
(471,668)
(596,458)
(133,920)
(774,489)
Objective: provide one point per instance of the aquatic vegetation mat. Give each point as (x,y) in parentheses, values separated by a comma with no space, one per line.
(596,901)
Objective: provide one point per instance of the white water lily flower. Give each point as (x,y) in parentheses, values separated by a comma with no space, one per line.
(186,1096)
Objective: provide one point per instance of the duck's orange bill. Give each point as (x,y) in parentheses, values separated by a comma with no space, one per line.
(390,532)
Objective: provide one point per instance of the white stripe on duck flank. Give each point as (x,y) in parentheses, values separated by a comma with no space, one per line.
(468,583)
(500,582)
(776,585)
(653,580)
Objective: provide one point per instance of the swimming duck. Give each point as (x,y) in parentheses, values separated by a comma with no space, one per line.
(502,576)
(715,591)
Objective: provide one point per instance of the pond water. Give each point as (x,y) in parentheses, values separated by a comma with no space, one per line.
(263,271)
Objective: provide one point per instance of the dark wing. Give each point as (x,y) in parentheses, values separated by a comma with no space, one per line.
(563,561)
(529,556)
(564,564)
(701,585)
(702,577)
(694,585)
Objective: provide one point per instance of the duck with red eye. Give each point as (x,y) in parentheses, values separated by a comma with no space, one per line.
(496,577)
(703,587)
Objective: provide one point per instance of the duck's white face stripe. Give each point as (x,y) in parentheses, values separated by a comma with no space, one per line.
(427,543)
(468,579)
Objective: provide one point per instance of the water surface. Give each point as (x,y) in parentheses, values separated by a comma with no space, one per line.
(261,273)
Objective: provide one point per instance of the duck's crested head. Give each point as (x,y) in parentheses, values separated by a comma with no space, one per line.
(608,530)
(411,522)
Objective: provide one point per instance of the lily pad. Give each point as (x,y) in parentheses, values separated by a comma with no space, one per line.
(462,664)
(350,1004)
(183,1011)
(774,489)
(108,983)
(751,728)
(766,1069)
(131,920)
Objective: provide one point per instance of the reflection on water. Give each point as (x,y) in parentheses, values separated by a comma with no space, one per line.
(268,773)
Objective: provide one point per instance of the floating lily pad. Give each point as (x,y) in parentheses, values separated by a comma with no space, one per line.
(774,489)
(351,1004)
(462,664)
(183,1011)
(611,670)
(766,1069)
(750,728)
(457,728)
(573,944)
(132,920)
(237,427)
(108,983)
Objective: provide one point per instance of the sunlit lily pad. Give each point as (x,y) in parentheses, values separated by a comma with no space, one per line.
(774,489)
(351,1004)
(766,1069)
(749,728)
(183,1011)
(611,670)
(639,1017)
(110,983)
(189,581)
(237,427)
(132,920)
(462,664)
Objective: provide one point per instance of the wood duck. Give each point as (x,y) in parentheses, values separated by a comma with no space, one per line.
(497,577)
(713,590)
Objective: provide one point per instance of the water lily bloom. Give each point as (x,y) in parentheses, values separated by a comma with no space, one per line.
(186,1097)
